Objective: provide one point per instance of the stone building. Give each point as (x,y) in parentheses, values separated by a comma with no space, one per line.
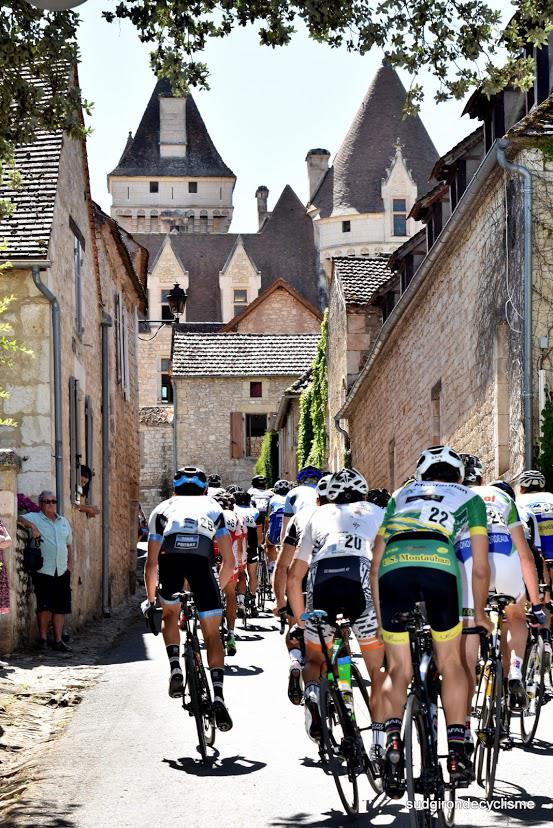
(286,424)
(228,387)
(449,362)
(70,263)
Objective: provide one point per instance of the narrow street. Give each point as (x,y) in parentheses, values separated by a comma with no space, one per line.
(128,756)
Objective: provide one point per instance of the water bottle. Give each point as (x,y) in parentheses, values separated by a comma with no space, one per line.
(344,681)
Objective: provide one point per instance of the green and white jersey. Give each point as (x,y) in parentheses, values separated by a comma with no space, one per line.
(501,516)
(444,509)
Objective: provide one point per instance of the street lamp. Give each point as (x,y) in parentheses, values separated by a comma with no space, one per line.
(55,5)
(176,299)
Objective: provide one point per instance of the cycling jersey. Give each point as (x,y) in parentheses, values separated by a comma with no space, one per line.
(297,524)
(214,490)
(260,498)
(252,519)
(530,526)
(298,498)
(187,525)
(275,513)
(340,529)
(541,504)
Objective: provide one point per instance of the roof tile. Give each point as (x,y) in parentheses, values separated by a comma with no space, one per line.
(361,276)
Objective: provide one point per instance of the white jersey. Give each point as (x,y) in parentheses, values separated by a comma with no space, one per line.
(214,490)
(339,530)
(260,498)
(297,524)
(298,498)
(237,530)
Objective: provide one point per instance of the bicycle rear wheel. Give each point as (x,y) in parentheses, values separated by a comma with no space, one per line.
(492,728)
(416,764)
(200,702)
(534,682)
(337,746)
(364,722)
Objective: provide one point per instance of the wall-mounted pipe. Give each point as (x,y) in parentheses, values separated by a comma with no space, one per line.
(56,348)
(106,323)
(527,392)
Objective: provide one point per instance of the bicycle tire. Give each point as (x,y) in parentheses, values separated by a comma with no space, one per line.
(414,723)
(483,704)
(534,662)
(358,682)
(494,722)
(334,716)
(200,702)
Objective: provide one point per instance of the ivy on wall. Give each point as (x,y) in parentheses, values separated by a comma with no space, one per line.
(265,465)
(312,427)
(545,458)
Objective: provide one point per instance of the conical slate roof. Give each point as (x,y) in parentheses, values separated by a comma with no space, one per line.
(353,183)
(141,155)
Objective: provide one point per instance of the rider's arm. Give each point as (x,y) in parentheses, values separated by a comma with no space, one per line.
(527,564)
(296,574)
(224,543)
(480,578)
(150,571)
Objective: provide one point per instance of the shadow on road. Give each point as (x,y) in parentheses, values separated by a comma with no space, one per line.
(234,670)
(243,637)
(540,748)
(29,812)
(229,766)
(328,819)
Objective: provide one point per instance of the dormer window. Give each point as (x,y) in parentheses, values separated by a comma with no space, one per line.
(192,186)
(399,209)
(154,186)
(346,226)
(240,301)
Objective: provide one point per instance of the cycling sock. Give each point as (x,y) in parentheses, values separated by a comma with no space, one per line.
(271,567)
(456,738)
(468,731)
(392,728)
(217,674)
(173,656)
(516,667)
(295,655)
(379,737)
(240,597)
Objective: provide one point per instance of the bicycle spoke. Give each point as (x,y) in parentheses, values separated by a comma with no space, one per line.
(339,751)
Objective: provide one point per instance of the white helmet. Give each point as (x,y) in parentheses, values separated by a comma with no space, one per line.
(346,480)
(322,485)
(531,477)
(439,454)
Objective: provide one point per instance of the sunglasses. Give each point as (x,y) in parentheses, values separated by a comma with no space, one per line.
(48,501)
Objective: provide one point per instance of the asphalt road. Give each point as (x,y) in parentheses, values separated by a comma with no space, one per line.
(128,757)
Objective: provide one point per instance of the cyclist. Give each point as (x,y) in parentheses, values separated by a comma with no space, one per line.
(275,512)
(511,567)
(260,496)
(335,549)
(414,560)
(534,498)
(237,531)
(182,531)
(294,637)
(304,494)
(254,528)
(380,497)
(214,485)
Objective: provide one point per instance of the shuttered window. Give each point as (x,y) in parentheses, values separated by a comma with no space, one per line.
(74,440)
(121,332)
(236,435)
(89,441)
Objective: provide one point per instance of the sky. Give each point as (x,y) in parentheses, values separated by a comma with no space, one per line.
(265,109)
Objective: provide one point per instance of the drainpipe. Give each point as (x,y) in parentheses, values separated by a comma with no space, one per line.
(105,324)
(343,432)
(527,393)
(175,455)
(56,347)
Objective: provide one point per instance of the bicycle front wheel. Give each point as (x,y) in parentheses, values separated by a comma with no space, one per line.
(416,765)
(338,750)
(534,682)
(200,702)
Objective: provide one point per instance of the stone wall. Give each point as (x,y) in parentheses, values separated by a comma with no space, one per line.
(204,406)
(156,455)
(336,356)
(288,442)
(280,313)
(440,374)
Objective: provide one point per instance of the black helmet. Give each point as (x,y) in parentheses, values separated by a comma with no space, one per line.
(190,480)
(234,487)
(473,468)
(281,487)
(379,497)
(225,500)
(214,480)
(242,498)
(505,487)
(259,482)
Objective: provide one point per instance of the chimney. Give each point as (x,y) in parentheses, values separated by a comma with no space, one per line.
(172,127)
(262,195)
(317,165)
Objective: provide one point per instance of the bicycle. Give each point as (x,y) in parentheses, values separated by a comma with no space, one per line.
(196,693)
(264,589)
(533,672)
(428,794)
(492,704)
(341,746)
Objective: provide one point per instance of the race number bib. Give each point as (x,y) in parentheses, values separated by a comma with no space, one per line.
(440,518)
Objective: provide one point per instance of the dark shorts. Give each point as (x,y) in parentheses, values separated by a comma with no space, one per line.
(401,589)
(53,593)
(174,568)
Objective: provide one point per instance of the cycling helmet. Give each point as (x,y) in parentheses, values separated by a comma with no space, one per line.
(214,480)
(234,487)
(309,473)
(225,500)
(322,485)
(190,479)
(473,468)
(281,487)
(505,487)
(531,478)
(259,482)
(345,485)
(439,456)
(242,498)
(379,497)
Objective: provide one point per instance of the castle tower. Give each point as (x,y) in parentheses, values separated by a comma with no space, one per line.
(170,176)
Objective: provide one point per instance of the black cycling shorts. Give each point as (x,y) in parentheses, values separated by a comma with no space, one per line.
(252,548)
(175,567)
(401,589)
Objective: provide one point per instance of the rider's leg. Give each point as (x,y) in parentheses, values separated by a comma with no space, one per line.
(314,660)
(230,595)
(171,636)
(470,645)
(373,656)
(252,578)
(454,690)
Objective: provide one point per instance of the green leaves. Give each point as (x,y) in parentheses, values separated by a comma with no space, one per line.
(312,426)
(264,465)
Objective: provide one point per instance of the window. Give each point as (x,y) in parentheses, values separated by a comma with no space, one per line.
(166,384)
(407,272)
(154,186)
(121,331)
(399,209)
(166,314)
(74,440)
(256,426)
(203,224)
(128,193)
(346,226)
(192,186)
(78,258)
(240,301)
(172,193)
(256,389)
(88,443)
(436,406)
